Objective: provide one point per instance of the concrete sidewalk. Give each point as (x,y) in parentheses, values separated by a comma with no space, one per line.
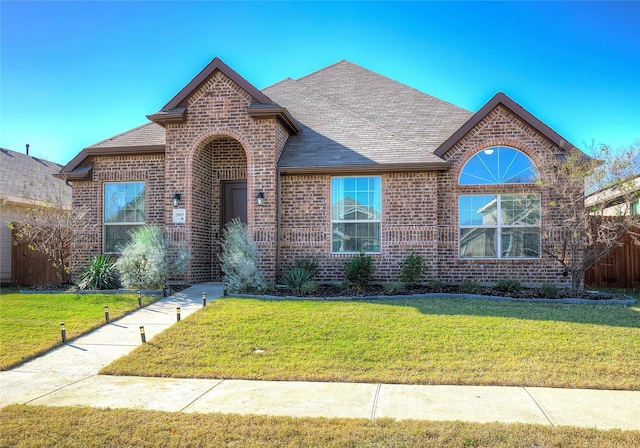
(67,376)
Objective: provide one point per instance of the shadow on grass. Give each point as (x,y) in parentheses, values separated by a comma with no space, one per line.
(610,315)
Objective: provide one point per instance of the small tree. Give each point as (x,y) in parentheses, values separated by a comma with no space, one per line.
(581,226)
(146,261)
(239,259)
(49,221)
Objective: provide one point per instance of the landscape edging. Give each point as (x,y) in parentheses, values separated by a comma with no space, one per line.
(630,301)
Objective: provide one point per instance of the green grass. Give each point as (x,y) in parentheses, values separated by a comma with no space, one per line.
(422,341)
(36,426)
(30,323)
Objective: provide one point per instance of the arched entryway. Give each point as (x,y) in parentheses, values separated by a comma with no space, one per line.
(219,194)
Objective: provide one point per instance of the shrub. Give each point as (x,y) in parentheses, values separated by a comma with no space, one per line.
(470,287)
(147,262)
(506,285)
(393,288)
(309,265)
(412,270)
(550,290)
(359,271)
(436,285)
(100,273)
(294,278)
(239,259)
(309,287)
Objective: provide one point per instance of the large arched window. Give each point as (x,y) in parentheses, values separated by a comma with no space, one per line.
(498,165)
(501,226)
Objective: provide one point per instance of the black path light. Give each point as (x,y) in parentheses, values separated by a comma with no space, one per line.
(139,299)
(178,314)
(204,299)
(63,332)
(106,313)
(142,335)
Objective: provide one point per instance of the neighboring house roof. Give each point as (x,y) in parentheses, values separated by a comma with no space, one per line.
(340,118)
(18,171)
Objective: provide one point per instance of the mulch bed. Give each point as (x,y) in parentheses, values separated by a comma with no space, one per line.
(328,290)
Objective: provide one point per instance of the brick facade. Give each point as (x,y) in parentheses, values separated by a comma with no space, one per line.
(219,140)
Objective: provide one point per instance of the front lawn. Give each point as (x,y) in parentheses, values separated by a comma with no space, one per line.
(37,426)
(30,323)
(419,341)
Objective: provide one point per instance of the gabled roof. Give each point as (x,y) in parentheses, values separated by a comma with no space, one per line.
(502,99)
(354,118)
(17,170)
(175,110)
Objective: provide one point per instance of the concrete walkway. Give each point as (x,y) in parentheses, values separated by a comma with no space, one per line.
(68,376)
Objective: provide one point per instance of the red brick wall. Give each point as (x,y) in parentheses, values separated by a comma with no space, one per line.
(217,115)
(87,241)
(499,128)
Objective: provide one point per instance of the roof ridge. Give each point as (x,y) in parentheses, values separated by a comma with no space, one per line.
(365,119)
(341,61)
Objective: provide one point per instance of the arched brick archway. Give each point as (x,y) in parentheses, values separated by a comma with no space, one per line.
(217,164)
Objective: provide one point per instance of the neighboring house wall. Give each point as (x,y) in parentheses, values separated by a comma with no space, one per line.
(8,213)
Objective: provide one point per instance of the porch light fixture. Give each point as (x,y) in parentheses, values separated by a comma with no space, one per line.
(260,198)
(176,199)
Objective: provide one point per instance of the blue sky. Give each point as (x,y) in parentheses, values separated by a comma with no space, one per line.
(74,73)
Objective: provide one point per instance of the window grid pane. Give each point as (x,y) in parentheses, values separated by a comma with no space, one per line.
(499,226)
(123,210)
(356,214)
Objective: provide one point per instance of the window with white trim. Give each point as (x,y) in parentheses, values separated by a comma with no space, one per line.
(356,214)
(123,211)
(501,226)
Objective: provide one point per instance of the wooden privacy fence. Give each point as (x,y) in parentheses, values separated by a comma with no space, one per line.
(29,267)
(619,269)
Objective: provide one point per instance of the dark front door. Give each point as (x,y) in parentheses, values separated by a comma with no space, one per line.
(234,201)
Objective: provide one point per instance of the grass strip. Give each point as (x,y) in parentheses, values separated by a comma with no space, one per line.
(30,323)
(37,426)
(421,341)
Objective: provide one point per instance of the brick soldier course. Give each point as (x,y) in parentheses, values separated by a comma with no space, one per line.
(287,142)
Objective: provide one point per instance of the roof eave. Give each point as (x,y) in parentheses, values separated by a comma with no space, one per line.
(279,112)
(365,169)
(109,151)
(502,99)
(164,117)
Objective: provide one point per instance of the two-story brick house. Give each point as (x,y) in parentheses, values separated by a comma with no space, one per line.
(340,161)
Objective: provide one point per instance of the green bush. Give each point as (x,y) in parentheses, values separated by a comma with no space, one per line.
(294,278)
(470,287)
(436,285)
(359,271)
(147,261)
(239,259)
(309,265)
(506,285)
(393,288)
(100,273)
(550,290)
(309,287)
(412,270)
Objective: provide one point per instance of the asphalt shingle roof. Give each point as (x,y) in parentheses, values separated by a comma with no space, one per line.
(351,115)
(148,134)
(18,169)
